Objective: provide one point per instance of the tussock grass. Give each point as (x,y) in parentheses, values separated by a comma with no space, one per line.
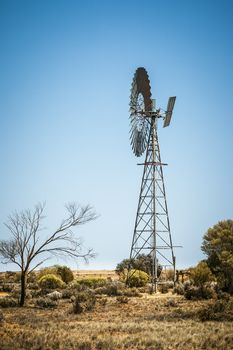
(141,323)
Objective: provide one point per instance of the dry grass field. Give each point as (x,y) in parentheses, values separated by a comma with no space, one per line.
(96,274)
(158,322)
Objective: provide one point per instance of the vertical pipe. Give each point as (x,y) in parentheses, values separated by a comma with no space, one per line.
(154,256)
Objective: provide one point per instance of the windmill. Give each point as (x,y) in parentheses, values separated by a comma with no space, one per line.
(152,235)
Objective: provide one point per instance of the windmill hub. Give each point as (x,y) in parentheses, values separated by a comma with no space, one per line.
(152,235)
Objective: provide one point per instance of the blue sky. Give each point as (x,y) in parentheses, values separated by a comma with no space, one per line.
(66,69)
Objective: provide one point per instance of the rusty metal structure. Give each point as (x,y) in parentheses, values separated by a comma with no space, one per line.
(152,235)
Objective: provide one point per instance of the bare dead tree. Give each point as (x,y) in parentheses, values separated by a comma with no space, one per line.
(28,249)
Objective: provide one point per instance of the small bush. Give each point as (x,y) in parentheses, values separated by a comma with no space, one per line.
(103,301)
(54,295)
(130,292)
(11,276)
(50,281)
(7,287)
(37,293)
(15,293)
(171,302)
(52,270)
(201,274)
(170,275)
(8,302)
(179,288)
(163,288)
(33,285)
(198,293)
(121,299)
(92,282)
(223,296)
(137,278)
(65,273)
(111,289)
(84,301)
(220,310)
(45,303)
(67,293)
(76,286)
(1,317)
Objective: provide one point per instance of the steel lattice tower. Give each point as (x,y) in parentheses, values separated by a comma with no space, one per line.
(152,235)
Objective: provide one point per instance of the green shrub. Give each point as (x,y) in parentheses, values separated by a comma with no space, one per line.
(65,273)
(50,281)
(142,262)
(84,301)
(92,282)
(218,247)
(8,302)
(201,274)
(45,303)
(52,270)
(137,278)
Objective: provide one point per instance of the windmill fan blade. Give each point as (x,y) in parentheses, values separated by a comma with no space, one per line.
(140,102)
(168,115)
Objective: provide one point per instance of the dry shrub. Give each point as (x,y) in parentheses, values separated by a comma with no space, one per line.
(8,302)
(33,285)
(45,303)
(84,301)
(121,299)
(111,289)
(131,292)
(220,310)
(68,293)
(1,317)
(179,288)
(103,301)
(7,287)
(163,288)
(54,295)
(198,293)
(171,302)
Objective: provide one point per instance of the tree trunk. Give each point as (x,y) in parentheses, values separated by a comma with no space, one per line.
(23,288)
